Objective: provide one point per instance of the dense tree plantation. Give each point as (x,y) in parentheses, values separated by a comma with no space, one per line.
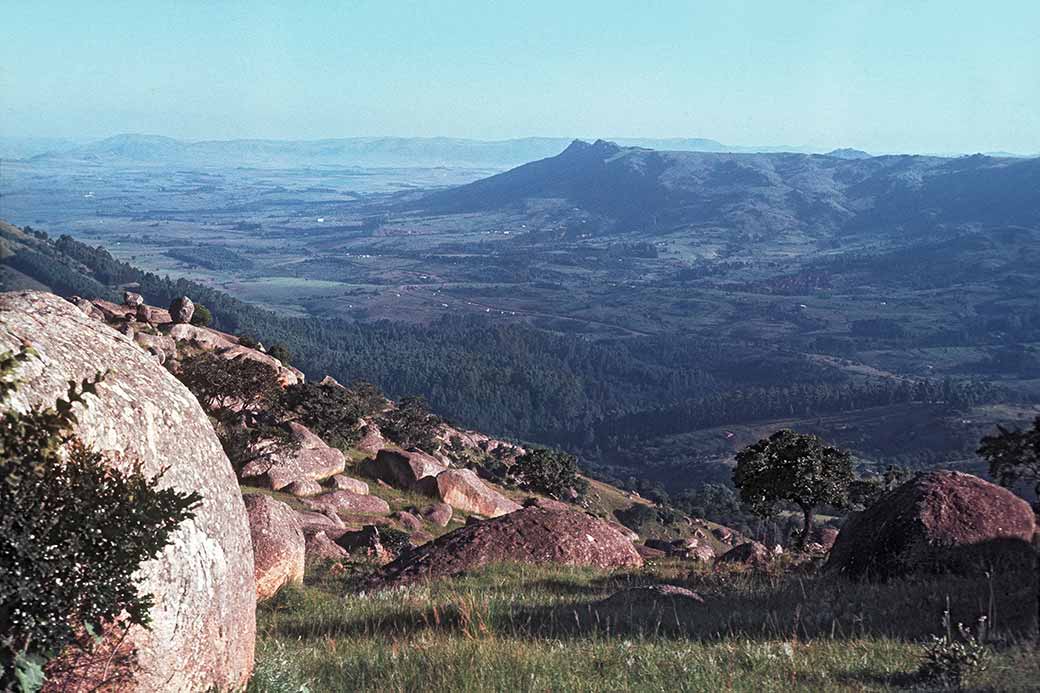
(596,398)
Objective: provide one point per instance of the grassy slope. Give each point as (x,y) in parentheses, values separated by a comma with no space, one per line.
(531,629)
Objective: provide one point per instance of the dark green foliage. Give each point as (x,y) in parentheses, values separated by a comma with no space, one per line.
(411,425)
(394,540)
(950,658)
(330,410)
(245,401)
(282,353)
(795,468)
(552,472)
(248,340)
(1014,456)
(201,317)
(73,531)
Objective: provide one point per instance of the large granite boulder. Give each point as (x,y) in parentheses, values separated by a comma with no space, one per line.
(750,553)
(463,490)
(529,535)
(278,544)
(407,470)
(182,310)
(348,502)
(313,460)
(938,521)
(203,622)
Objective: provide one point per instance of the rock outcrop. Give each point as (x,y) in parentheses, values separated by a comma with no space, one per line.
(182,310)
(749,553)
(936,522)
(411,471)
(203,622)
(348,483)
(463,490)
(529,535)
(312,461)
(348,502)
(438,514)
(278,544)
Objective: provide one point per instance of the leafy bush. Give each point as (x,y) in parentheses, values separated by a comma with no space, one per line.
(201,317)
(282,353)
(248,340)
(394,540)
(552,472)
(73,531)
(245,401)
(955,655)
(411,425)
(329,410)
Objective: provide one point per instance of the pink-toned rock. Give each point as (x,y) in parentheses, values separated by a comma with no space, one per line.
(408,521)
(286,376)
(420,537)
(313,522)
(937,522)
(463,490)
(439,514)
(348,502)
(312,461)
(201,336)
(182,310)
(625,531)
(349,483)
(160,346)
(750,553)
(649,553)
(278,544)
(529,535)
(304,488)
(411,471)
(320,547)
(372,440)
(203,620)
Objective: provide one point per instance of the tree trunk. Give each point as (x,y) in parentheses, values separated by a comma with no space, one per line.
(807,526)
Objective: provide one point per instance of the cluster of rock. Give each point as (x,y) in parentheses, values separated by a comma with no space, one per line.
(159,331)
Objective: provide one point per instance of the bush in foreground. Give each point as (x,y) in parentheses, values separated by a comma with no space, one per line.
(73,531)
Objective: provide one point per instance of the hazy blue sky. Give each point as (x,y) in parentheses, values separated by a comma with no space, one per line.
(909,75)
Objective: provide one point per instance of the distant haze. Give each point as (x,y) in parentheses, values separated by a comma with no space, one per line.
(924,76)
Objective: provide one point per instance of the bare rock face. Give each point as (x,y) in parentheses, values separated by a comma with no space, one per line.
(132,300)
(411,471)
(203,622)
(529,535)
(312,461)
(161,347)
(347,502)
(628,533)
(372,440)
(202,336)
(182,310)
(408,521)
(286,376)
(313,522)
(278,545)
(463,490)
(349,483)
(321,548)
(143,314)
(750,553)
(937,522)
(304,488)
(439,514)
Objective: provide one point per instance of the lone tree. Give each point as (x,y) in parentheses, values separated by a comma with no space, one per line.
(1014,456)
(552,472)
(796,468)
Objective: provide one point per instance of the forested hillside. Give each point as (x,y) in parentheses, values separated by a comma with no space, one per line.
(605,399)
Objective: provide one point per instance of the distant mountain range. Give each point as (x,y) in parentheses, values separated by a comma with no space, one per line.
(355,151)
(636,189)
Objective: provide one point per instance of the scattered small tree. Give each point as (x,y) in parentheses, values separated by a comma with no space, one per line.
(331,411)
(411,424)
(552,472)
(201,317)
(282,353)
(1014,456)
(796,468)
(245,401)
(73,531)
